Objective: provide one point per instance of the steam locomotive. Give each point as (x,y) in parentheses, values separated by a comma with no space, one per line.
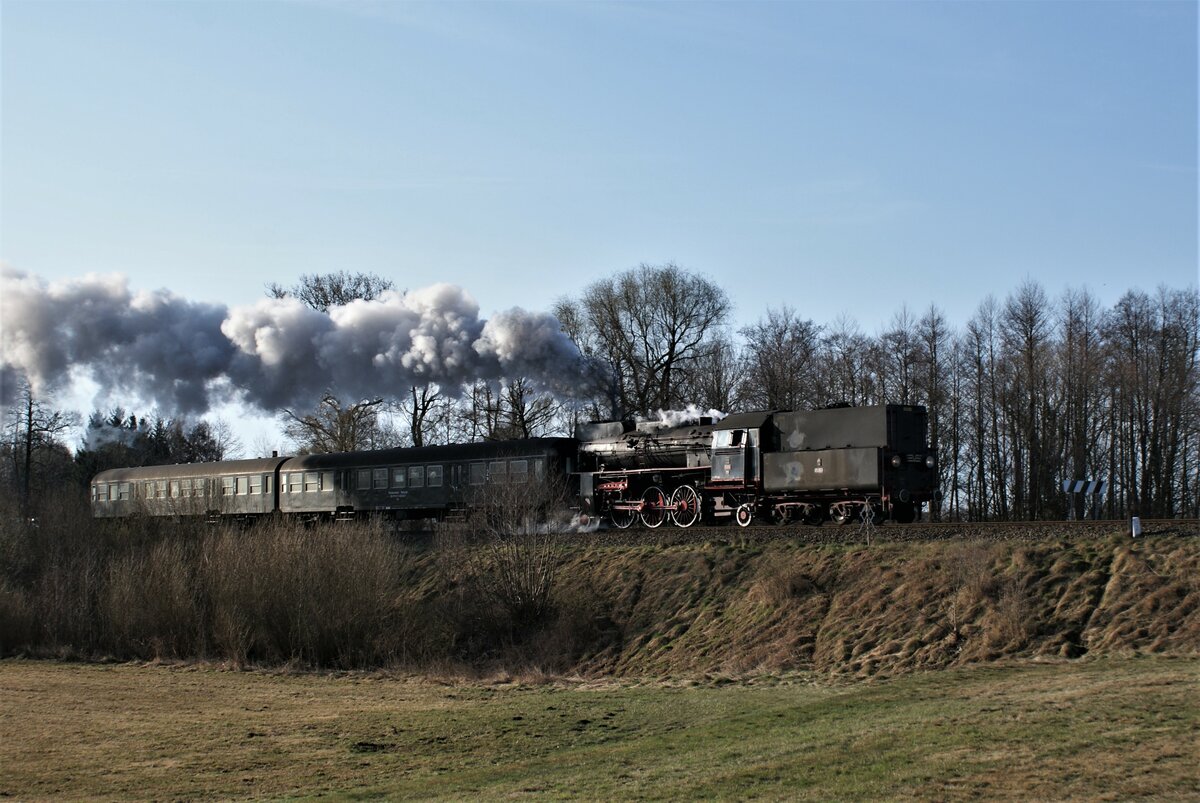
(782,466)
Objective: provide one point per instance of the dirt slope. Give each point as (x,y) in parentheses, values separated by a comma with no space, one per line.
(729,608)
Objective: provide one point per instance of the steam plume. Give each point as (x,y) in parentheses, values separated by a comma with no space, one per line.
(188,356)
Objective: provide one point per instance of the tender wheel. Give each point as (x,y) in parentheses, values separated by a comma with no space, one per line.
(781,516)
(744,515)
(685,506)
(840,514)
(654,507)
(620,517)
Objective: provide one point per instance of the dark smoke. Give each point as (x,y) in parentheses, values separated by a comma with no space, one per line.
(189,356)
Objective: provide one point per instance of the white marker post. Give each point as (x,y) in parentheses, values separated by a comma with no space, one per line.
(1135,526)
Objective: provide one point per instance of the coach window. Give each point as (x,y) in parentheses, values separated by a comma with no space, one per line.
(364,479)
(416,476)
(496,471)
(256,484)
(539,468)
(160,489)
(227,486)
(312,482)
(174,489)
(381,477)
(100,492)
(243,486)
(124,491)
(147,490)
(399,478)
(478,473)
(433,475)
(186,491)
(327,481)
(518,471)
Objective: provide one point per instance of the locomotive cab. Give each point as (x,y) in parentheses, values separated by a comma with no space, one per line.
(734,455)
(736,450)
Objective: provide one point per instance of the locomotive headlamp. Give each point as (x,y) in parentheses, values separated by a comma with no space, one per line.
(896,460)
(928,461)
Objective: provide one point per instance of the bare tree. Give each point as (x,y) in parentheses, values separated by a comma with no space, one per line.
(333,427)
(1153,379)
(987,487)
(33,431)
(1080,359)
(508,410)
(530,414)
(719,380)
(846,361)
(900,349)
(651,325)
(933,343)
(781,361)
(321,291)
(419,409)
(1026,326)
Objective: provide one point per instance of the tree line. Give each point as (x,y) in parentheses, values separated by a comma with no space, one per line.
(1028,393)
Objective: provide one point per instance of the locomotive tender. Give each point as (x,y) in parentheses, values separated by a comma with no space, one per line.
(784,466)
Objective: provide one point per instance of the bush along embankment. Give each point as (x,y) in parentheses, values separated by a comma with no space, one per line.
(359,597)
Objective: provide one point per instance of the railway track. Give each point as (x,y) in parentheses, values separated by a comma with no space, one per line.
(829,533)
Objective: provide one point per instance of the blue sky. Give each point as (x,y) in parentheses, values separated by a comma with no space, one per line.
(836,157)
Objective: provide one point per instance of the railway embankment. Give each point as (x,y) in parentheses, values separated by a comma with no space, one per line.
(839,602)
(741,608)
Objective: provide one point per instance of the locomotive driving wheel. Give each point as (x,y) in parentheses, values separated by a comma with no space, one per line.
(654,507)
(685,506)
(621,515)
(744,515)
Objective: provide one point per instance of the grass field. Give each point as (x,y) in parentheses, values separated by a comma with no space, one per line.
(1115,728)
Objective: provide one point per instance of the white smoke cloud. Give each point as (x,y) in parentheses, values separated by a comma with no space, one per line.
(525,343)
(276,353)
(688,415)
(168,348)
